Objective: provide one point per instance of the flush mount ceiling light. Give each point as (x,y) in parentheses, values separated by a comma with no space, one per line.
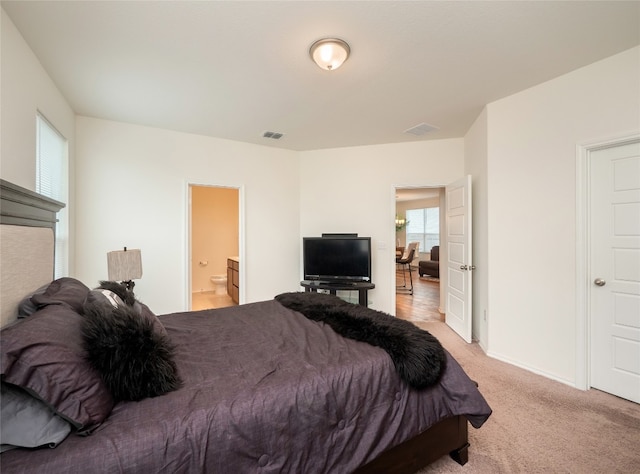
(329,53)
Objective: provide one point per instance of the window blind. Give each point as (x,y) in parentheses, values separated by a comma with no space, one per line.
(424,227)
(52,180)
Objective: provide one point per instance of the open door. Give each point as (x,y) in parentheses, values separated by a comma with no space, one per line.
(614,266)
(459,263)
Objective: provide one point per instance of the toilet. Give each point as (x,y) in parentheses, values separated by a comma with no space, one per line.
(219,284)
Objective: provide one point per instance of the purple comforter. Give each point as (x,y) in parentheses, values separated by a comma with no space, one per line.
(265,390)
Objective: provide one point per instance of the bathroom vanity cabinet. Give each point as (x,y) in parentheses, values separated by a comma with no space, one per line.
(233,279)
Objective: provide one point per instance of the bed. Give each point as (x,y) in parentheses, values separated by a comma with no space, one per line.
(263,387)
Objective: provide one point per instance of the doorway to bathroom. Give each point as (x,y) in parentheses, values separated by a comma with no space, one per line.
(214,246)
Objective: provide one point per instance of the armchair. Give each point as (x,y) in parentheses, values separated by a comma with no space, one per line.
(431,267)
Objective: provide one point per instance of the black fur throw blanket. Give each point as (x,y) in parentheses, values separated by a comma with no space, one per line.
(417,355)
(127,344)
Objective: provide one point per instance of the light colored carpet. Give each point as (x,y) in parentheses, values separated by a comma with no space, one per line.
(539,425)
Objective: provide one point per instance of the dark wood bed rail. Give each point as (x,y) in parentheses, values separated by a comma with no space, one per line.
(449,436)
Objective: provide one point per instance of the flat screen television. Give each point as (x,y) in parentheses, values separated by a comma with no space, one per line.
(339,259)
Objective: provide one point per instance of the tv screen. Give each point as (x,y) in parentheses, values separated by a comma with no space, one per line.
(337,259)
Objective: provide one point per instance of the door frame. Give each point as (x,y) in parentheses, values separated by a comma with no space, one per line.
(583,240)
(187,242)
(443,252)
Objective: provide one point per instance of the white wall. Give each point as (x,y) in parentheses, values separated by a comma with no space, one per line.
(532,140)
(25,89)
(133,192)
(353,190)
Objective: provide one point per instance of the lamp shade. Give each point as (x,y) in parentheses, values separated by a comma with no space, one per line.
(124,265)
(329,53)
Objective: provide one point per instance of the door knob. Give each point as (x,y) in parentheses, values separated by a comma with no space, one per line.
(599,282)
(463,267)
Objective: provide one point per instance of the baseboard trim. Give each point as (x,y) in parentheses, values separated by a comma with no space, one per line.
(534,370)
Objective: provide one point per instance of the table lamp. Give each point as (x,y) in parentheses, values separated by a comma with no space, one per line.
(125,266)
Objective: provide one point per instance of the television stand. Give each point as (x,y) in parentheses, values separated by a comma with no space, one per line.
(362,287)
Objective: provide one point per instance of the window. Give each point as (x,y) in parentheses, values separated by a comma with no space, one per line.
(424,227)
(52,180)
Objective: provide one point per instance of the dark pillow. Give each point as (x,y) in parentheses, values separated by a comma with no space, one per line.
(64,290)
(135,359)
(123,296)
(103,297)
(145,313)
(28,422)
(119,289)
(44,355)
(27,307)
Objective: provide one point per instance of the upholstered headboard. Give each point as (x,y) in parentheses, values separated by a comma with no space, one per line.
(27,243)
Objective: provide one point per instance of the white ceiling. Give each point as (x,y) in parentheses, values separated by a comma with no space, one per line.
(234,69)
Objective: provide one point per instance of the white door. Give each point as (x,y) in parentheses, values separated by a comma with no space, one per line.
(614,254)
(459,263)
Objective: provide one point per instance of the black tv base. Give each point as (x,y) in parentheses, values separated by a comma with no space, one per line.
(362,287)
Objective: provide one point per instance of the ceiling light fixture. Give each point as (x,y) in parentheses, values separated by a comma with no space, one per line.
(329,53)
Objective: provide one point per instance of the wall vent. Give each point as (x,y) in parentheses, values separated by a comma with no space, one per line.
(273,135)
(420,129)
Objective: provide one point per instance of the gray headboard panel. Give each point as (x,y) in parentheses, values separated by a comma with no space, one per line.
(27,245)
(20,206)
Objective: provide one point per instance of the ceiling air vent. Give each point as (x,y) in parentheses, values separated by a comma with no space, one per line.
(420,129)
(274,135)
